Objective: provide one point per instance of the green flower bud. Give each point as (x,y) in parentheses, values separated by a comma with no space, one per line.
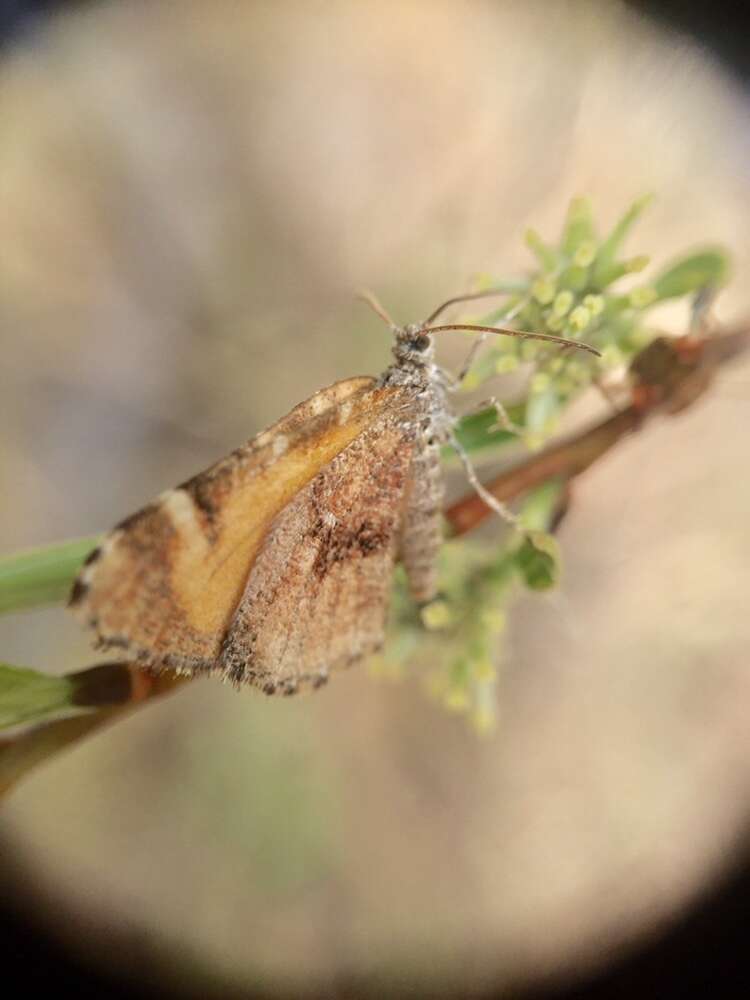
(584,255)
(555,324)
(563,302)
(539,382)
(594,304)
(543,290)
(437,615)
(579,319)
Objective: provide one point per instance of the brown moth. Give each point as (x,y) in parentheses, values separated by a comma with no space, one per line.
(273,567)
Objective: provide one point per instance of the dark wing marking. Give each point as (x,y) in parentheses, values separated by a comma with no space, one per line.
(318,593)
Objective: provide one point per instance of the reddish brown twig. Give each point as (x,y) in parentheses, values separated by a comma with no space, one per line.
(668,376)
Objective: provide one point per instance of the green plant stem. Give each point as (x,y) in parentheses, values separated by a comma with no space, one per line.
(36,577)
(118,688)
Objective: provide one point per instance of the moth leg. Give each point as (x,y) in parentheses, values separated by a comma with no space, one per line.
(470,359)
(504,423)
(492,502)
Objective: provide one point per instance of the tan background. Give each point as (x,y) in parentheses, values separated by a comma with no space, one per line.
(190,193)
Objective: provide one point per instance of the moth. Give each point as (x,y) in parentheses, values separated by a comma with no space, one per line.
(273,567)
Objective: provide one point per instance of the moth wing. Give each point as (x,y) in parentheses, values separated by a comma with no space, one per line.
(165,584)
(318,593)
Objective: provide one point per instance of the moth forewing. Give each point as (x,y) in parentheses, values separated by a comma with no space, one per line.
(318,592)
(165,584)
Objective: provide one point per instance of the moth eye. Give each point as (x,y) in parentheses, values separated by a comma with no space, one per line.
(420,343)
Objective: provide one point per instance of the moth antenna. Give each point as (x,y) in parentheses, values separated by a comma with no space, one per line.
(506,331)
(367,296)
(469,297)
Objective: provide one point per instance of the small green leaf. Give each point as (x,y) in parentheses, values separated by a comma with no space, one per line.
(546,256)
(538,560)
(579,226)
(605,276)
(41,576)
(27,695)
(705,268)
(641,298)
(606,269)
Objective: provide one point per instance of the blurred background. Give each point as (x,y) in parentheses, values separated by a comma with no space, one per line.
(190,195)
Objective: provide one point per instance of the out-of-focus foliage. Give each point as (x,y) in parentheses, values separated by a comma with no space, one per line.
(458,651)
(575,292)
(572,293)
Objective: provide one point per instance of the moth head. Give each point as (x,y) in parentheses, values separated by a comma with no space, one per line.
(412,344)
